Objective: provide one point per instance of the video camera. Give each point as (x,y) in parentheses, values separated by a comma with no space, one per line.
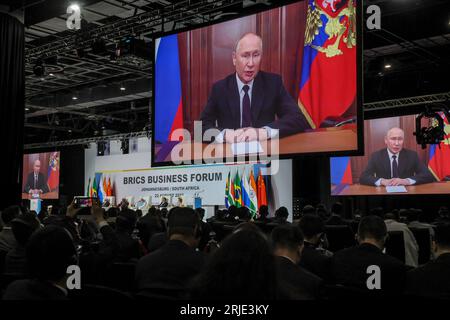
(435,132)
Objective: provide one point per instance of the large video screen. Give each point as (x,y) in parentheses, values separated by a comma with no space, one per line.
(393,162)
(274,84)
(40,175)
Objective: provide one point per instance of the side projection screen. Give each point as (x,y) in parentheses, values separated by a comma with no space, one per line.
(274,84)
(393,162)
(40,177)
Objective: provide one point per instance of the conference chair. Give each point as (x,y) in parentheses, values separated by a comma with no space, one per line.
(90,292)
(423,239)
(339,237)
(395,245)
(121,276)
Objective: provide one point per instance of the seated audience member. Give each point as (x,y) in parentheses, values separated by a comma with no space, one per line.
(287,243)
(281,215)
(411,246)
(315,258)
(308,209)
(7,239)
(443,215)
(322,212)
(49,252)
(205,229)
(242,268)
(244,214)
(149,225)
(337,215)
(433,278)
(377,211)
(157,241)
(124,204)
(349,266)
(22,227)
(263,214)
(97,256)
(415,220)
(233,214)
(167,270)
(129,248)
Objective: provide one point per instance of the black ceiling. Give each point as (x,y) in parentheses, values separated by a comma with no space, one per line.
(414,39)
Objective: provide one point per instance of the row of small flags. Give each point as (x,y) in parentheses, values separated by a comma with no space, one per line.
(245,191)
(100,187)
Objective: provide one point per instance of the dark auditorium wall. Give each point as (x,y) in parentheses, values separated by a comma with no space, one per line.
(311,179)
(12,92)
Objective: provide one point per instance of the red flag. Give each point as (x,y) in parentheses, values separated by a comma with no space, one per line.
(262,194)
(439,163)
(328,80)
(53,171)
(109,192)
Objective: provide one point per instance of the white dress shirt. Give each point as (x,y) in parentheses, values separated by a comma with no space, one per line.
(391,159)
(270,132)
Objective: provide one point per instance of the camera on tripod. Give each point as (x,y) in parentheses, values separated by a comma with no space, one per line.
(435,132)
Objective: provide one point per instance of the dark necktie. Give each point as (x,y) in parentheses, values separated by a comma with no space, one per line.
(246,112)
(394,167)
(35,181)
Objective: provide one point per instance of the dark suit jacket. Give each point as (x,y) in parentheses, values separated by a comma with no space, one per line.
(431,279)
(303,284)
(409,166)
(269,98)
(169,268)
(349,268)
(40,184)
(33,290)
(315,261)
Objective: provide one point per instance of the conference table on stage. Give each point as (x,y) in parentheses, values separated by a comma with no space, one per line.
(363,190)
(321,140)
(48,195)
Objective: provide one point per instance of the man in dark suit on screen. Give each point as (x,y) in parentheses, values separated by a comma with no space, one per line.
(251,104)
(36,181)
(395,166)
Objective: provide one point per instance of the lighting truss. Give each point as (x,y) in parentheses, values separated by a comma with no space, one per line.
(143,23)
(73,142)
(407,102)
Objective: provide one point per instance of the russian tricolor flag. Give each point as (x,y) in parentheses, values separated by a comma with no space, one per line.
(168,93)
(439,156)
(341,171)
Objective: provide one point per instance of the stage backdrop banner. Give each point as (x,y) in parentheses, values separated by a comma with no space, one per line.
(126,175)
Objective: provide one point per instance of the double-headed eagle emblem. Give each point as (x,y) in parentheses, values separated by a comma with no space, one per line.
(340,16)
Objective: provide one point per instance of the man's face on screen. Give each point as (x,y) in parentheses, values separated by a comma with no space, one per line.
(247,57)
(394,140)
(37,166)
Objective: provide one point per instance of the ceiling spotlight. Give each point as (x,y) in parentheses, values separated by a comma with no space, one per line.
(70,131)
(387,66)
(74,7)
(51,74)
(74,98)
(27,109)
(122,88)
